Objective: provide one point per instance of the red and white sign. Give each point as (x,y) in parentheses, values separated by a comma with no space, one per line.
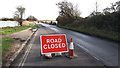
(53,43)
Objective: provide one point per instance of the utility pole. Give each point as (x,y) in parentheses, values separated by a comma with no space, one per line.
(96,8)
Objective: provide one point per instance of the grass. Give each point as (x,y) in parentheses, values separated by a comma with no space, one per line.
(0,48)
(6,44)
(96,32)
(35,26)
(9,30)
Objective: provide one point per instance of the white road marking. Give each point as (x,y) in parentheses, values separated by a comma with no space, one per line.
(56,30)
(82,47)
(86,50)
(22,62)
(24,57)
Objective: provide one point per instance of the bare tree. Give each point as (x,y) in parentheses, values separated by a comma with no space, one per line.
(18,15)
(107,11)
(67,11)
(118,6)
(76,11)
(21,10)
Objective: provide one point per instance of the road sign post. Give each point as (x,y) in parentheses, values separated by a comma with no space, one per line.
(53,43)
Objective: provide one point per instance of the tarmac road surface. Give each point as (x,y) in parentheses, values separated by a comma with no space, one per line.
(91,51)
(105,51)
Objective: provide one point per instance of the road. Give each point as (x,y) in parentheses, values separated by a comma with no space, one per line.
(104,50)
(91,51)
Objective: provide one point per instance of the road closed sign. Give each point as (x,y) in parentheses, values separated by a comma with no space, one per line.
(53,43)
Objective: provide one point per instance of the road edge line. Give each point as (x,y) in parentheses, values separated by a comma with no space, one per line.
(25,55)
(87,52)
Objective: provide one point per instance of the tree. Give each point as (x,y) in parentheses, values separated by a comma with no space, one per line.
(31,18)
(115,7)
(118,6)
(68,12)
(18,15)
(106,11)
(7,19)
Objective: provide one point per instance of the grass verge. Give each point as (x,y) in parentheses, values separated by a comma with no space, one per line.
(35,26)
(10,30)
(114,36)
(6,44)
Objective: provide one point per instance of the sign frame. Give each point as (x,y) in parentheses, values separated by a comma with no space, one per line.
(51,35)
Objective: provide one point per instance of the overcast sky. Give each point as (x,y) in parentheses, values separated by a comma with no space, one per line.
(47,9)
